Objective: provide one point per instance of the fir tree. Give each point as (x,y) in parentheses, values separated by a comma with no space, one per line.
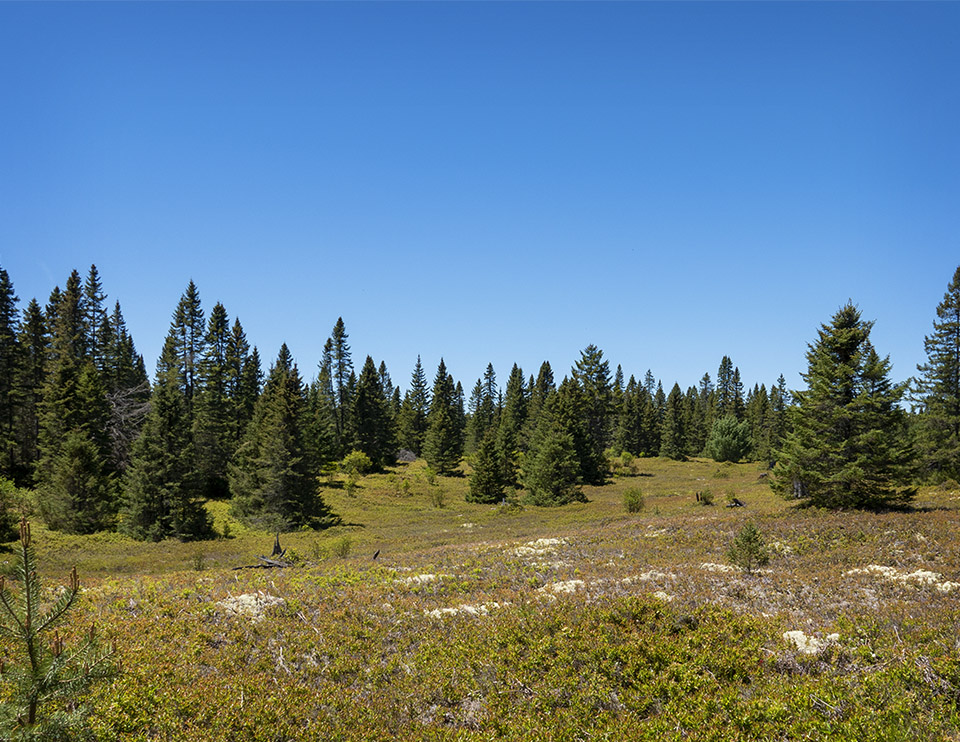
(272,479)
(592,375)
(551,470)
(34,347)
(214,419)
(513,417)
(443,444)
(413,413)
(847,446)
(341,371)
(672,443)
(540,390)
(371,415)
(10,391)
(939,387)
(188,332)
(96,326)
(570,408)
(486,482)
(161,487)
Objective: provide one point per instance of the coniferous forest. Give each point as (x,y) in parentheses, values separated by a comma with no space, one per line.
(102,445)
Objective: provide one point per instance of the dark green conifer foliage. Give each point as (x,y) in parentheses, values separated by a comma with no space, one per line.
(161,489)
(341,372)
(242,377)
(96,326)
(443,444)
(372,420)
(551,468)
(779,403)
(729,440)
(11,393)
(708,406)
(513,418)
(672,443)
(847,447)
(486,481)
(540,390)
(759,416)
(650,422)
(214,421)
(592,375)
(695,436)
(272,479)
(570,410)
(939,387)
(34,347)
(188,331)
(413,413)
(629,419)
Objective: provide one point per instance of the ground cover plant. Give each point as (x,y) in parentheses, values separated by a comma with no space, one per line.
(479,621)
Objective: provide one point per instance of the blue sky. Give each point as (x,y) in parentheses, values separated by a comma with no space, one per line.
(492,182)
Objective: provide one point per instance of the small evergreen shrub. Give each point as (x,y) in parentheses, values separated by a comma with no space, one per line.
(748,550)
(705,497)
(633,500)
(356,462)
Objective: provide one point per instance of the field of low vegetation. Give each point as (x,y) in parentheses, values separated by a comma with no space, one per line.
(481,622)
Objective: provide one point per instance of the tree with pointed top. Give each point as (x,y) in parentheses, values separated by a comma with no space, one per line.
(45,672)
(412,424)
(34,350)
(672,442)
(371,414)
(551,468)
(486,481)
(272,477)
(10,390)
(939,390)
(847,448)
(443,444)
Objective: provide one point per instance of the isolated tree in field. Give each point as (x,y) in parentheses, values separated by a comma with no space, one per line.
(748,550)
(847,447)
(272,478)
(939,387)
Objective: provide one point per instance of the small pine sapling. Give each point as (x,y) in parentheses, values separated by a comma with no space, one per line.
(748,550)
(40,669)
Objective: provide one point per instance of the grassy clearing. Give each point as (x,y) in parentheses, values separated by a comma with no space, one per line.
(487,622)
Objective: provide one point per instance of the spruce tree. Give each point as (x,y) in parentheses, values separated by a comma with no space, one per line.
(540,390)
(412,424)
(672,442)
(214,419)
(34,347)
(592,375)
(371,415)
(341,371)
(272,477)
(188,331)
(939,387)
(161,488)
(551,469)
(10,390)
(513,418)
(570,408)
(443,444)
(847,447)
(486,481)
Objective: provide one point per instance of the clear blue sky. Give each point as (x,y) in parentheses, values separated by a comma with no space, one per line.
(492,182)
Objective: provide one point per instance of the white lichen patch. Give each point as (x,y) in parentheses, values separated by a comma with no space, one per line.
(251,605)
(649,576)
(922,577)
(468,610)
(422,579)
(781,548)
(809,644)
(712,567)
(569,586)
(665,597)
(655,533)
(468,525)
(540,547)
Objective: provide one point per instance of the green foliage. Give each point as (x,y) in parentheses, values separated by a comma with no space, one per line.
(12,503)
(729,440)
(372,421)
(705,497)
(633,500)
(443,444)
(43,677)
(748,550)
(939,390)
(672,437)
(486,482)
(342,546)
(412,422)
(356,462)
(848,445)
(77,495)
(551,471)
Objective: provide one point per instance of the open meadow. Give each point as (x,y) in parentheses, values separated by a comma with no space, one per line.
(500,622)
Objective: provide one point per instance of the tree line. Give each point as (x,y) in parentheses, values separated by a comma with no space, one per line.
(104,447)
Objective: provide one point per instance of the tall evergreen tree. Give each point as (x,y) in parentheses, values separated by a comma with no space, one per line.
(540,390)
(779,403)
(513,418)
(570,409)
(188,331)
(10,372)
(672,443)
(372,420)
(847,446)
(161,491)
(413,413)
(214,421)
(443,444)
(592,374)
(341,372)
(551,469)
(486,482)
(96,326)
(939,387)
(34,347)
(272,478)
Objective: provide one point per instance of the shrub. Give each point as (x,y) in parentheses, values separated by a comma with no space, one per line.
(356,462)
(705,497)
(633,500)
(748,549)
(342,546)
(437,497)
